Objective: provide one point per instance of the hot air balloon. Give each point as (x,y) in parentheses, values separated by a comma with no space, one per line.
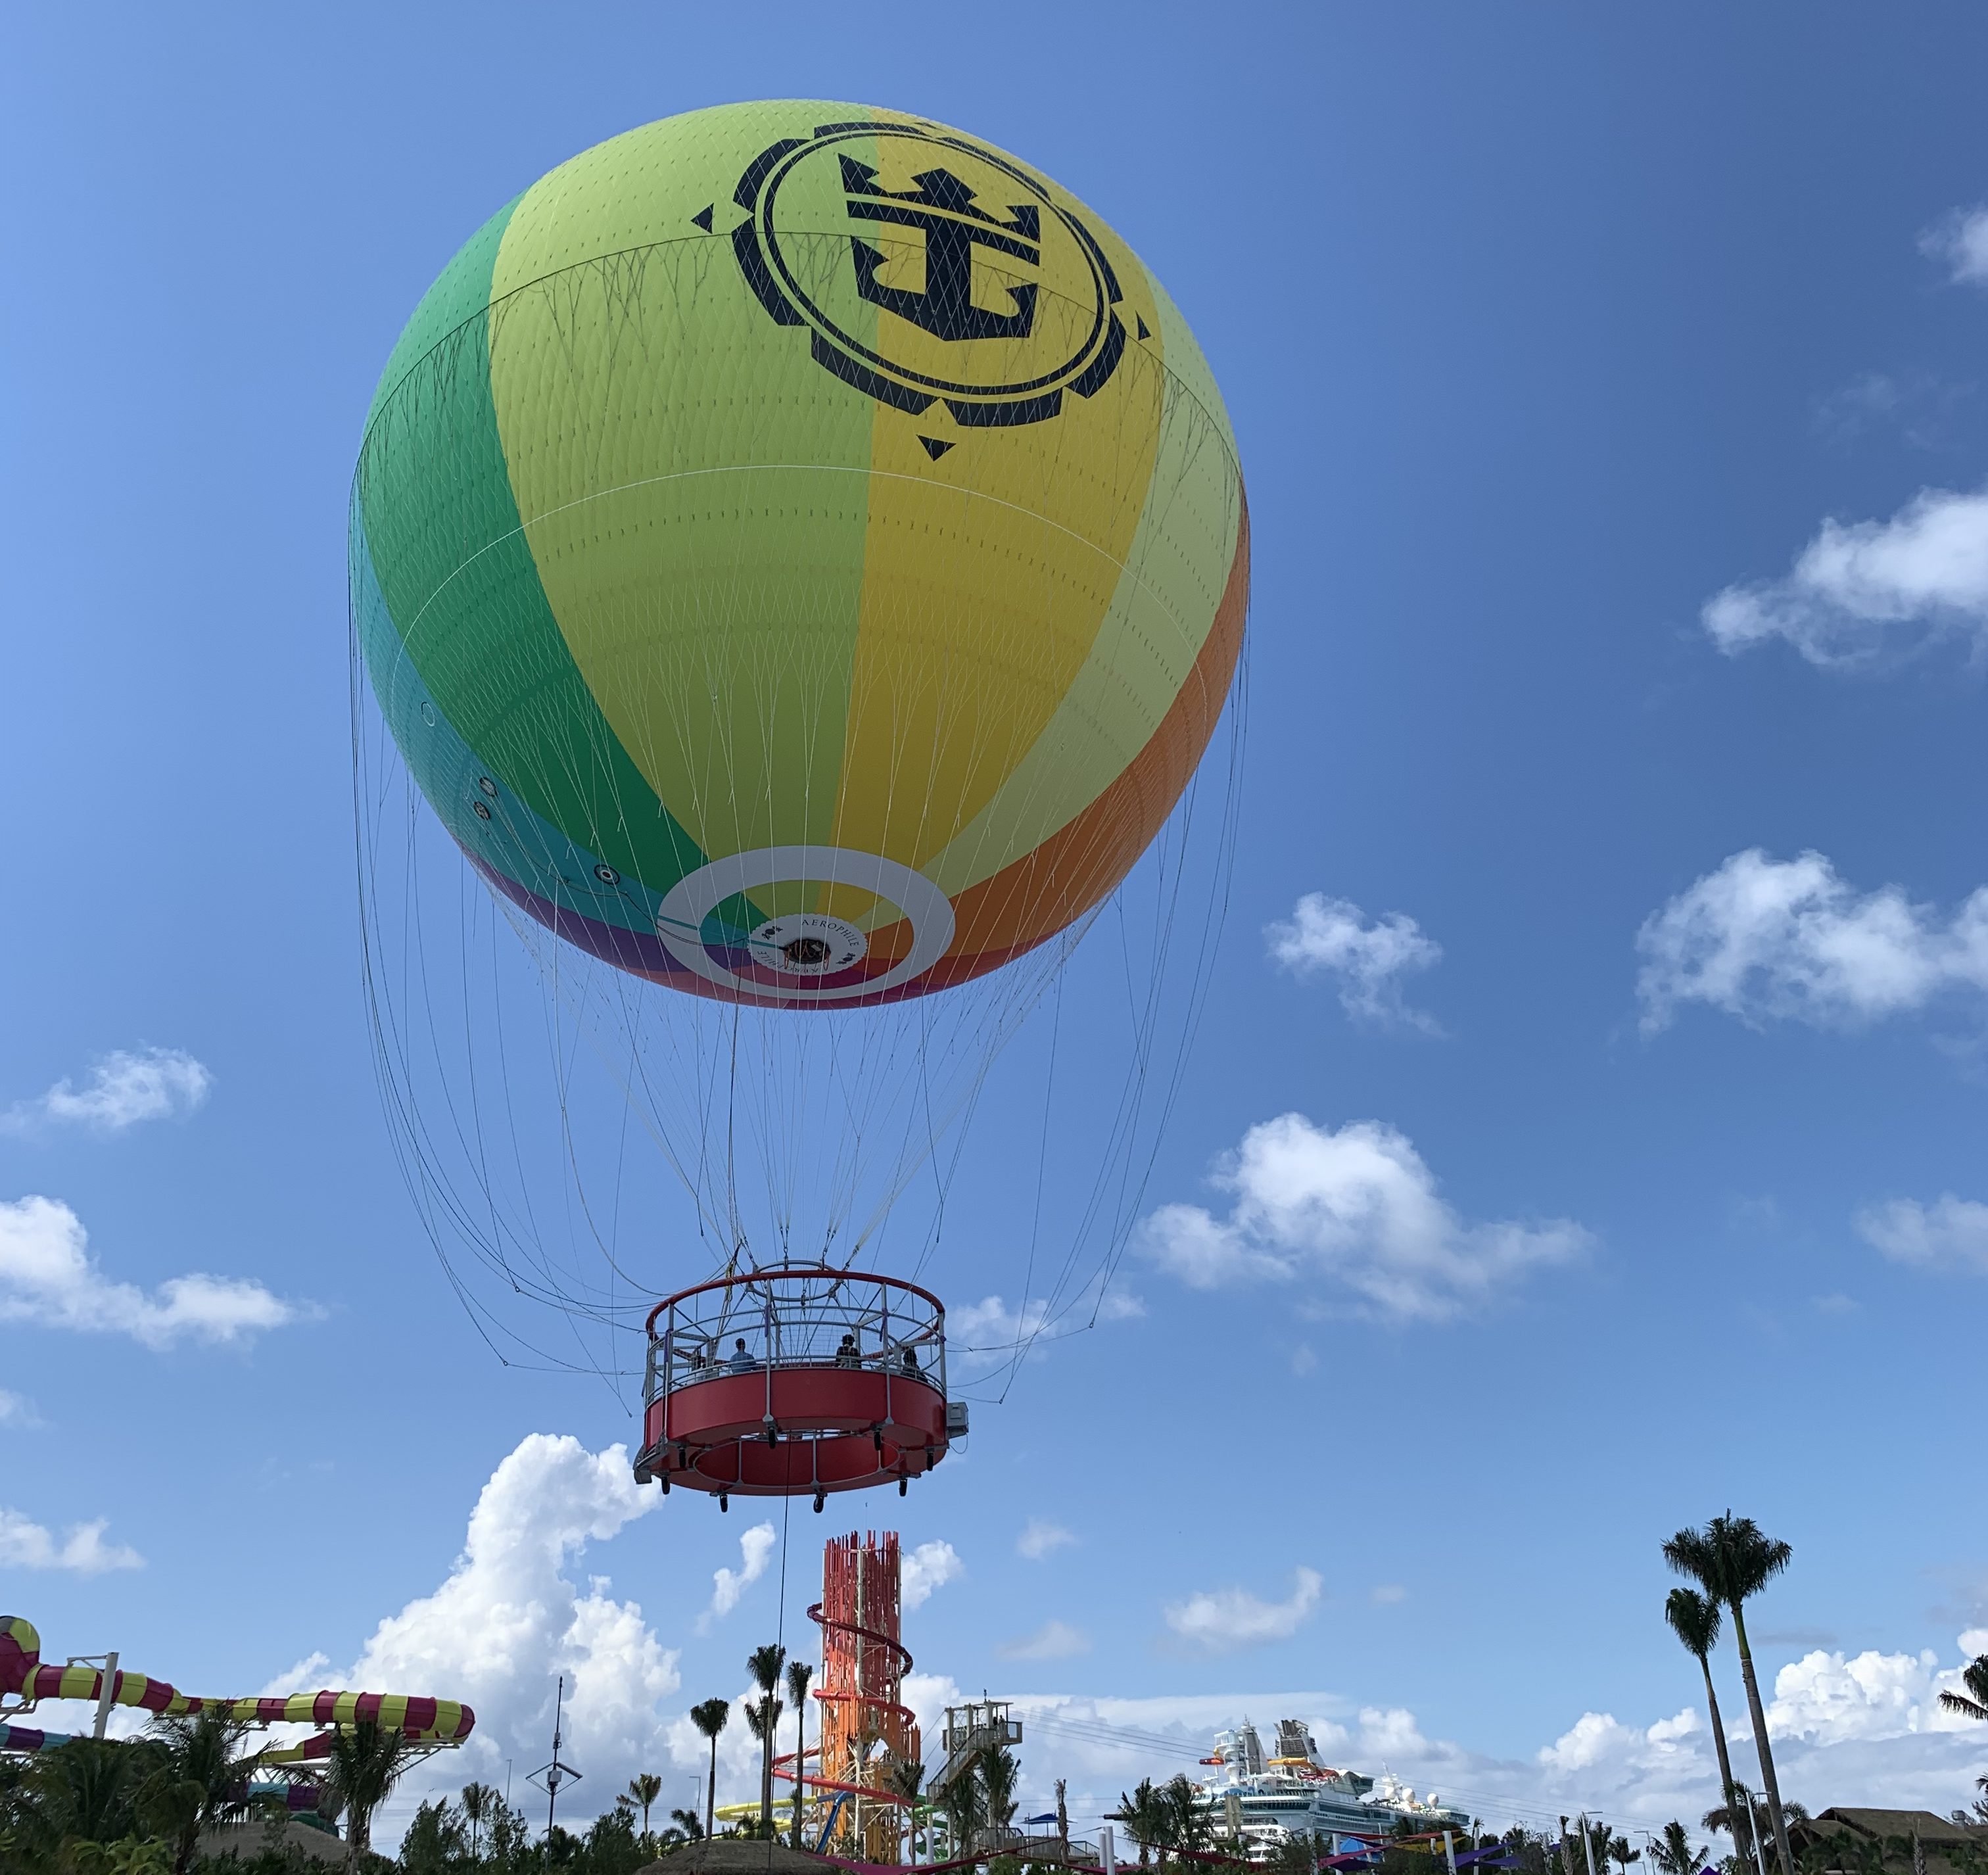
(799,554)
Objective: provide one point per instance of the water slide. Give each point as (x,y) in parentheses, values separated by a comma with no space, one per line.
(22,1677)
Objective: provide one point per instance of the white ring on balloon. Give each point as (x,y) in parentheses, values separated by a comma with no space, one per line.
(682,913)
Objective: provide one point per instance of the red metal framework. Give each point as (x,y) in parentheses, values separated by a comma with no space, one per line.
(796,1379)
(866,1727)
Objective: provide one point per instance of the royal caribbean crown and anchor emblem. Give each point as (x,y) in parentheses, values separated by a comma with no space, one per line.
(1001,301)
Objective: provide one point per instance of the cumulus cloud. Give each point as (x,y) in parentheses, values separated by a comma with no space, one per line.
(1790,940)
(1960,242)
(989,1330)
(1054,1640)
(25,1544)
(1226,1620)
(48,1276)
(1040,1537)
(930,1566)
(1369,955)
(126,1086)
(1830,1697)
(1863,588)
(509,1618)
(1357,1209)
(1950,1233)
(17,1411)
(755,1546)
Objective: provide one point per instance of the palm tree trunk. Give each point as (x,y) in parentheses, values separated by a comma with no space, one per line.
(800,1763)
(1767,1777)
(1727,1795)
(711,1792)
(766,1771)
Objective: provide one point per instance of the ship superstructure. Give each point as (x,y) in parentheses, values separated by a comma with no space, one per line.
(1267,1800)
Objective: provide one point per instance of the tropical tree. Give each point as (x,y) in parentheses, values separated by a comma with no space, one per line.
(1186,1824)
(764,1663)
(710,1716)
(1733,1559)
(999,1772)
(690,1823)
(86,1791)
(964,1803)
(762,1720)
(907,1776)
(1746,1819)
(1672,1852)
(1973,1703)
(202,1778)
(1694,1620)
(364,1762)
(799,1674)
(1144,1815)
(643,1789)
(479,1803)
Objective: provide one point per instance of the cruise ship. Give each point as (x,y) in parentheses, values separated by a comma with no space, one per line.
(1295,1793)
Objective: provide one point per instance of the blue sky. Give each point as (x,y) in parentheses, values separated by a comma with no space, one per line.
(1658,1189)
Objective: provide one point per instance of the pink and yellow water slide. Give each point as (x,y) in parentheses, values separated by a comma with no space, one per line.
(429,1722)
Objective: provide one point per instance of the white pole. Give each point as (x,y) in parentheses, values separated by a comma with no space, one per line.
(107,1694)
(1449,1851)
(1104,1850)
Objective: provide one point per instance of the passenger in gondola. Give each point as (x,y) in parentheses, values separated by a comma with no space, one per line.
(741,1361)
(849,1354)
(908,1362)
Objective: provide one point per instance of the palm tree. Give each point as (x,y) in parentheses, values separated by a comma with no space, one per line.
(1733,1559)
(907,1777)
(799,1674)
(1188,1827)
(1973,1704)
(999,1773)
(203,1779)
(1141,1814)
(364,1764)
(1693,1618)
(1673,1852)
(643,1789)
(764,1664)
(479,1801)
(710,1716)
(963,1811)
(762,1719)
(690,1823)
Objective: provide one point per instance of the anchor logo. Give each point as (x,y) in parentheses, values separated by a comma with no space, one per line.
(1005,260)
(941,207)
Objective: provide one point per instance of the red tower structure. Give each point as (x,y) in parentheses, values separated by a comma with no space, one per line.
(867,1729)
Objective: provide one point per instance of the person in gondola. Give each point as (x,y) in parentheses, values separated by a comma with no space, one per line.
(849,1354)
(741,1361)
(908,1362)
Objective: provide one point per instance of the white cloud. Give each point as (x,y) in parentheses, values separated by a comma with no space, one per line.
(930,1566)
(1830,1697)
(509,1618)
(1960,240)
(1762,938)
(18,1411)
(1370,956)
(1223,1620)
(47,1276)
(126,1086)
(1054,1640)
(755,1546)
(1950,1233)
(1861,588)
(24,1544)
(1387,1594)
(1356,1208)
(989,1330)
(1040,1537)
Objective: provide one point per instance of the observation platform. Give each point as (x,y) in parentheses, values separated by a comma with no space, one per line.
(795,1380)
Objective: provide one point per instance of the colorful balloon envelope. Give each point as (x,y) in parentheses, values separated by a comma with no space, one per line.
(800,553)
